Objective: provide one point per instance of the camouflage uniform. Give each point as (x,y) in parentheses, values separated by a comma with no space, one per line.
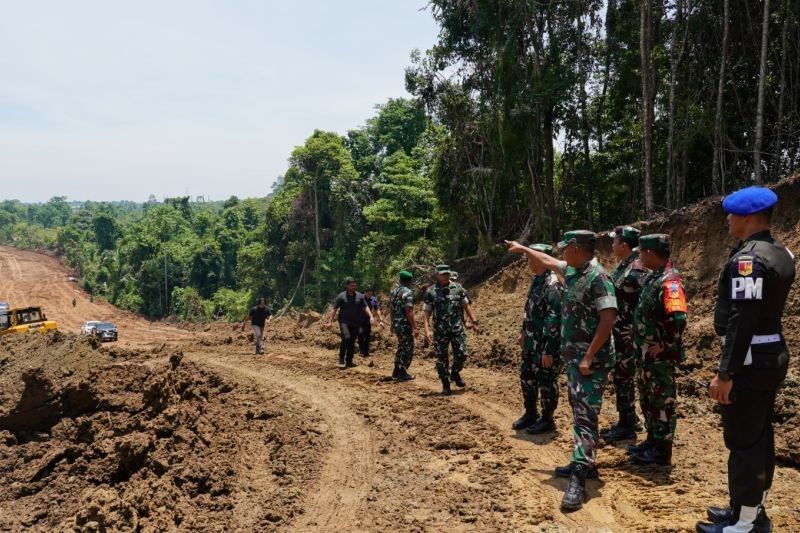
(588,290)
(659,320)
(628,278)
(446,302)
(541,335)
(400,299)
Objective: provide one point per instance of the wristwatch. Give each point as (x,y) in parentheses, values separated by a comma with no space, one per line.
(724,376)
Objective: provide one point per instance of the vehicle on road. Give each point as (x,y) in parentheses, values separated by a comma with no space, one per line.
(25,320)
(106,332)
(88,327)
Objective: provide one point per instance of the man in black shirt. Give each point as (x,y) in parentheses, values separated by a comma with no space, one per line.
(752,292)
(350,306)
(258,317)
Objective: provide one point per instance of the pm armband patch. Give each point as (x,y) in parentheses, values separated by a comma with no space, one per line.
(674,297)
(747,288)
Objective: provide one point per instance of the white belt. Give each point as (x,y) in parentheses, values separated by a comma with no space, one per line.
(766,339)
(760,339)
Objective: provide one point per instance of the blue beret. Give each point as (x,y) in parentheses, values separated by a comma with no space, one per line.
(749,200)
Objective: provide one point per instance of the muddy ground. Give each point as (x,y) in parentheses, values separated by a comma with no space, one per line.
(183,428)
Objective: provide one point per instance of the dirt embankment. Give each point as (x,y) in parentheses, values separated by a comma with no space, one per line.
(89,442)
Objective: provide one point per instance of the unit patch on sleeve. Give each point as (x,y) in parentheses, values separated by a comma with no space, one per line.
(747,278)
(674,297)
(745,265)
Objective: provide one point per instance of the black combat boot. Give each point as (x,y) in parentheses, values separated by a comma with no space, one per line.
(660,453)
(724,515)
(403,375)
(445,387)
(455,377)
(625,429)
(728,518)
(525,420)
(566,471)
(395,372)
(575,494)
(642,446)
(543,425)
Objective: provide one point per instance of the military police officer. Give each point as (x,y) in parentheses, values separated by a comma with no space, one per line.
(658,323)
(752,292)
(540,338)
(588,314)
(404,325)
(447,302)
(628,279)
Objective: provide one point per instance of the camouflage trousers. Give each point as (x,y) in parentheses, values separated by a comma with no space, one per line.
(623,376)
(537,380)
(659,399)
(405,348)
(441,343)
(585,398)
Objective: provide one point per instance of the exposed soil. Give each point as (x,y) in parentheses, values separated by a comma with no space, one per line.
(180,427)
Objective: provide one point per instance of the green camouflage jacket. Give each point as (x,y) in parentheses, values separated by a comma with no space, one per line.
(588,290)
(629,277)
(446,303)
(660,317)
(542,319)
(400,299)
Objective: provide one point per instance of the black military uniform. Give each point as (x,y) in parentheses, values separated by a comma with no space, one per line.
(752,292)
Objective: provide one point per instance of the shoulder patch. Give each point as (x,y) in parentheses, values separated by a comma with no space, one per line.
(745,265)
(674,297)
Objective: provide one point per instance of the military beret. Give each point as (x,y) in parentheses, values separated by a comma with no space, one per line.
(749,200)
(405,275)
(544,248)
(655,241)
(443,269)
(578,236)
(628,234)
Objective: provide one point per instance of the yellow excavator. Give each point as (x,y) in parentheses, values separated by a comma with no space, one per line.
(25,320)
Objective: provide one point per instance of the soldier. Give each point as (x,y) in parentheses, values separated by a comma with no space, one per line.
(588,314)
(365,332)
(447,302)
(628,279)
(658,323)
(752,292)
(540,339)
(401,303)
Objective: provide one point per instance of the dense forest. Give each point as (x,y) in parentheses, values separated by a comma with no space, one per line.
(525,118)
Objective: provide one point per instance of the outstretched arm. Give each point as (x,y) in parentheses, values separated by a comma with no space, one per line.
(535,257)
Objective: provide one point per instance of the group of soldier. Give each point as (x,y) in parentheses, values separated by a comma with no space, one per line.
(628,326)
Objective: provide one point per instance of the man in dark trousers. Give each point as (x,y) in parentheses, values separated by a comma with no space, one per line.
(752,292)
(350,306)
(365,335)
(258,318)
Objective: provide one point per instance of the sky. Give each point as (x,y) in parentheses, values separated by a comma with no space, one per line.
(117,100)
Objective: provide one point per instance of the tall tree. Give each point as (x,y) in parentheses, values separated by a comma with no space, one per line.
(762,83)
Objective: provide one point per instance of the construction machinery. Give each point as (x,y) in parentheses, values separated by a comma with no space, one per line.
(25,320)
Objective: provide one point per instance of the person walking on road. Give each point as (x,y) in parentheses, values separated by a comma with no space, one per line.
(588,314)
(752,292)
(404,325)
(350,306)
(258,318)
(446,302)
(365,333)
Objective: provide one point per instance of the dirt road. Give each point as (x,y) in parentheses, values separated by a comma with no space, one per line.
(398,455)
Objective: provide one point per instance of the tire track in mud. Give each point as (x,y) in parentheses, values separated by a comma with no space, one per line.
(338,497)
(533,482)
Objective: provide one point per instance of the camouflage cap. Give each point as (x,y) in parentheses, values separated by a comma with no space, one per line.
(628,234)
(655,241)
(578,236)
(544,248)
(443,269)
(406,275)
